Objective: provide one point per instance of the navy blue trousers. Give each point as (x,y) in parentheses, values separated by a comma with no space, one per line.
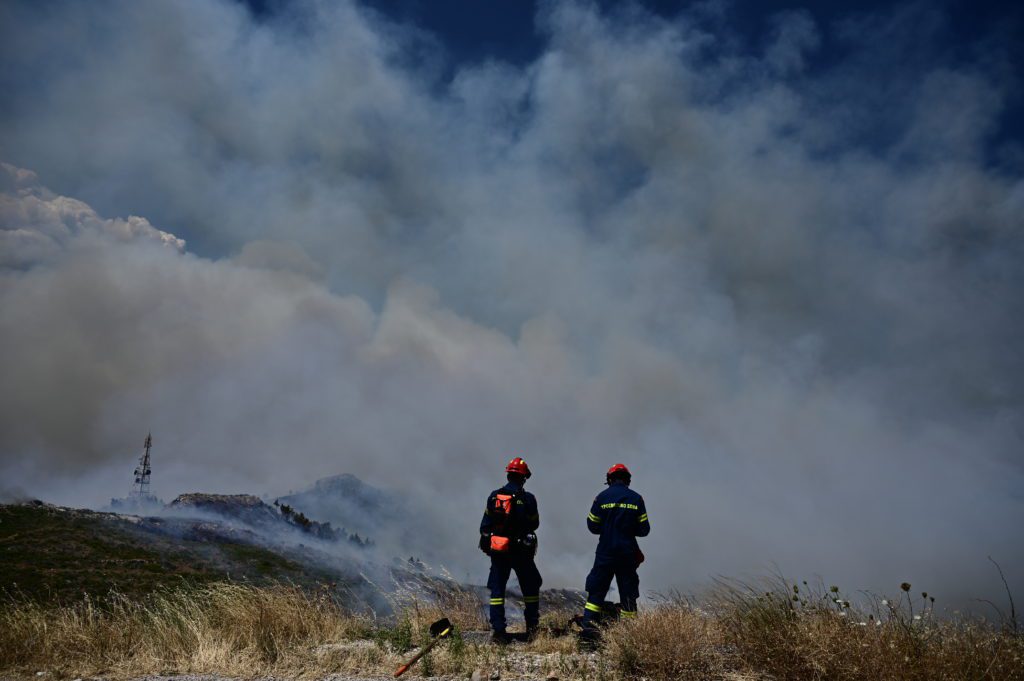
(600,580)
(529,583)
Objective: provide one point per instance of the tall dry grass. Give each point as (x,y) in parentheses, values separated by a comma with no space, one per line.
(735,632)
(799,633)
(668,642)
(240,630)
(423,599)
(216,628)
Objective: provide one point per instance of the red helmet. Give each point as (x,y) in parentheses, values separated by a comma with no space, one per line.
(619,470)
(518,466)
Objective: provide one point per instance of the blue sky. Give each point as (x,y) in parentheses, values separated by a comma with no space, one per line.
(471,31)
(504,29)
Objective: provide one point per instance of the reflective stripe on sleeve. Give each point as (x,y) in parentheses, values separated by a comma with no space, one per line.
(593,518)
(643,518)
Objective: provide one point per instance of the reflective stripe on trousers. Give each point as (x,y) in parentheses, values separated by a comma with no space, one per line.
(529,583)
(623,570)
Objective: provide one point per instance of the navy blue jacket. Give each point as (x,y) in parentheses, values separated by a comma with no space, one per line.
(619,516)
(524,518)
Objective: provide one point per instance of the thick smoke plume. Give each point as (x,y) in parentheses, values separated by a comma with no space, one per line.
(789,295)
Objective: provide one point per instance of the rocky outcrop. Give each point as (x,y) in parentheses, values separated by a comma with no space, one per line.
(246,507)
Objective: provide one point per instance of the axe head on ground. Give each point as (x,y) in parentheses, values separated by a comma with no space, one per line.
(442,627)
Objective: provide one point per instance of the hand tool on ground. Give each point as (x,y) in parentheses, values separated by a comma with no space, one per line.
(438,630)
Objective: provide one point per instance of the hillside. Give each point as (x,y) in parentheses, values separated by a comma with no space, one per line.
(57,554)
(52,552)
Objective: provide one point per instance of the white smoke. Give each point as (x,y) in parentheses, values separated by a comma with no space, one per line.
(38,224)
(794,313)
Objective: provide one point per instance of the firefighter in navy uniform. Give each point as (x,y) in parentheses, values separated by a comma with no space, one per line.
(507,536)
(618,514)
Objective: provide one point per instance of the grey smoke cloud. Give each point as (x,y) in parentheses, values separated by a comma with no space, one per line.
(794,312)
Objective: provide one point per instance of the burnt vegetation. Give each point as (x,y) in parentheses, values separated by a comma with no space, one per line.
(320,530)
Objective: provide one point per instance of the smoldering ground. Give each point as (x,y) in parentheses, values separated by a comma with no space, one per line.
(788,294)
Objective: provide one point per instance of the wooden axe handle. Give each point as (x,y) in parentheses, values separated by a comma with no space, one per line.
(426,649)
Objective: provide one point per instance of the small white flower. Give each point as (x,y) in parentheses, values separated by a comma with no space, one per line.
(917,617)
(885,602)
(842,614)
(863,624)
(878,623)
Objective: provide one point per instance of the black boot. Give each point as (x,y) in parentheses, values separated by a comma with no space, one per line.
(589,639)
(501,638)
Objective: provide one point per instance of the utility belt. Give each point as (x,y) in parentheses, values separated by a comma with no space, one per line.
(498,545)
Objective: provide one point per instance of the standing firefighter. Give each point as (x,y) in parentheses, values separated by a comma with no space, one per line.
(619,516)
(507,536)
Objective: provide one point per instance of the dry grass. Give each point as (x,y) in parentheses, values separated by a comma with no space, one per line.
(424,599)
(283,631)
(217,628)
(247,631)
(669,642)
(792,632)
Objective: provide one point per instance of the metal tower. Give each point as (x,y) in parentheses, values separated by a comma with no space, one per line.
(140,488)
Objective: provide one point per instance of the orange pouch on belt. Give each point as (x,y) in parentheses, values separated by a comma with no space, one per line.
(499,544)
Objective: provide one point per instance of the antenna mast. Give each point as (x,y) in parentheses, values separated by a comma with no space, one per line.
(140,489)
